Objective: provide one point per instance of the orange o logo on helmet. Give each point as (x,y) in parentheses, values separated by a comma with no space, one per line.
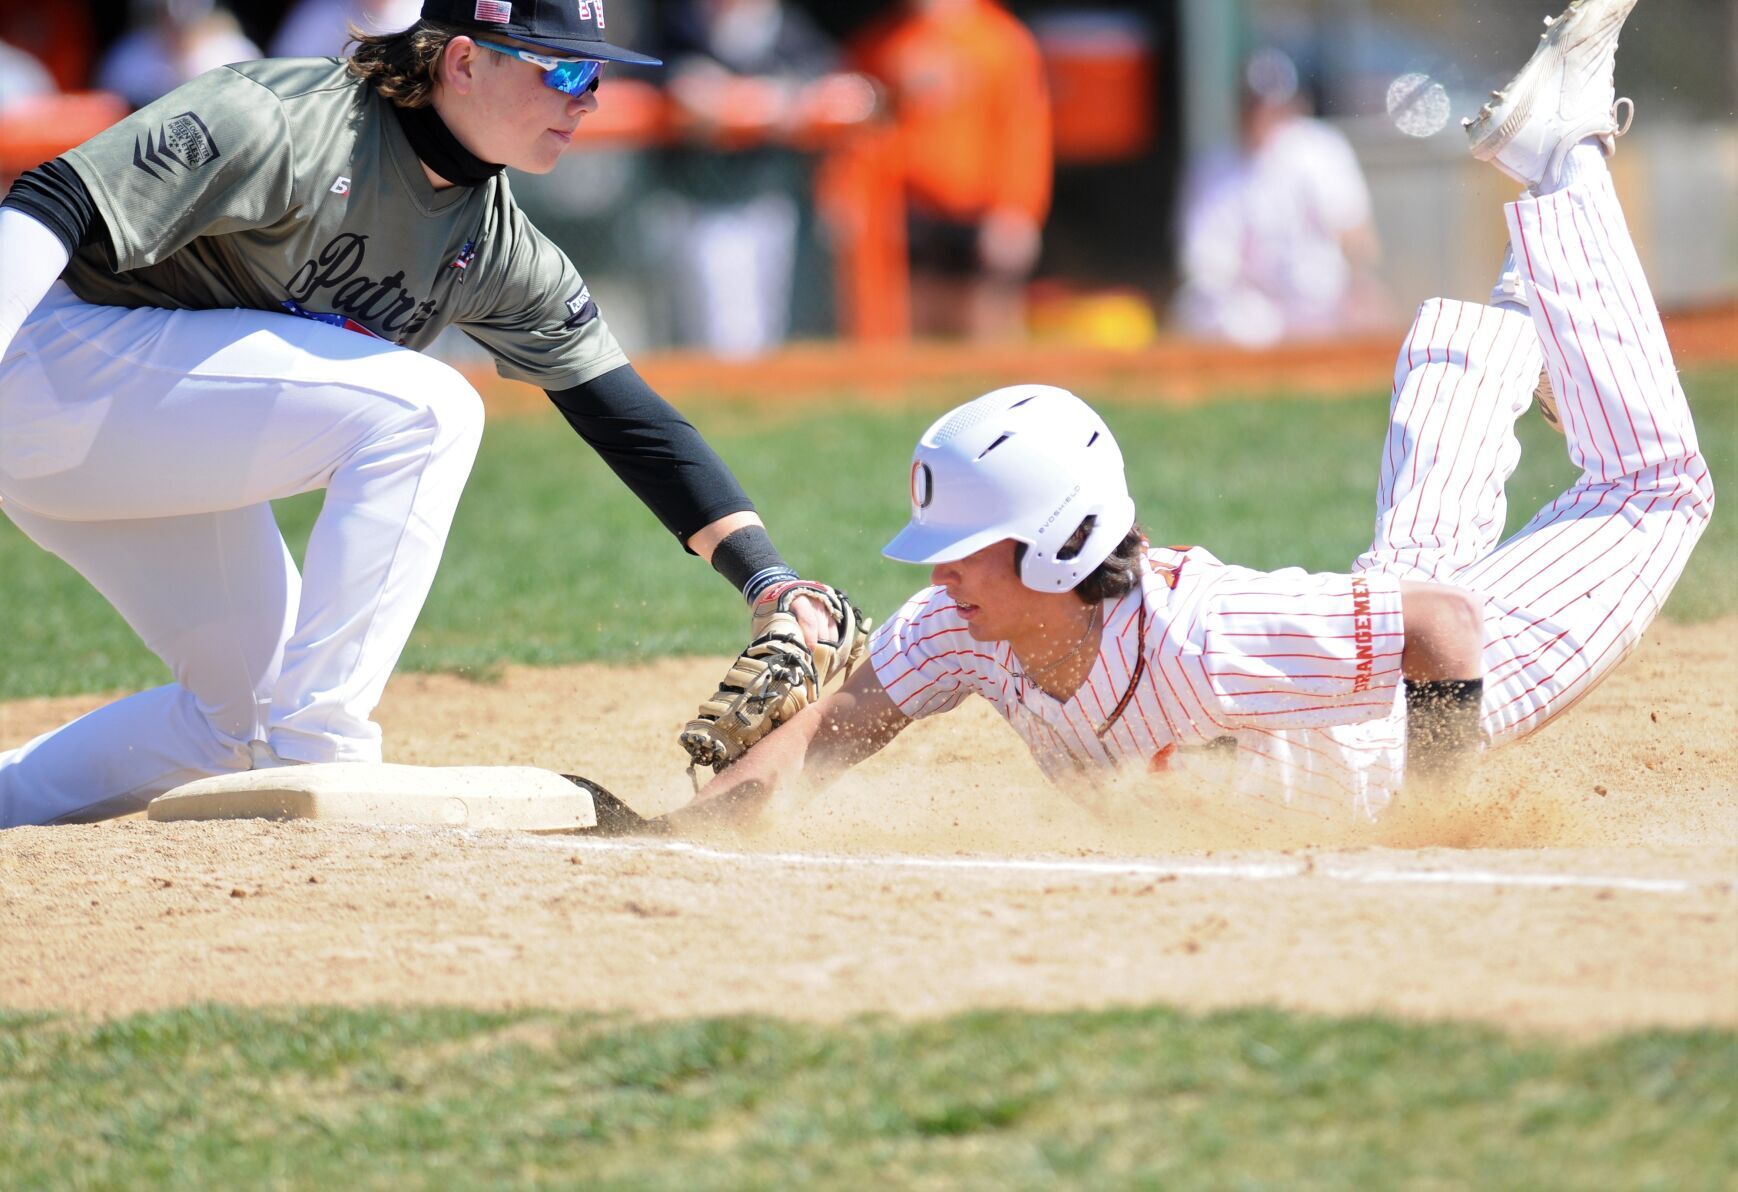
(922,485)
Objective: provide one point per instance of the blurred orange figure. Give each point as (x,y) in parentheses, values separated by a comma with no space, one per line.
(967,91)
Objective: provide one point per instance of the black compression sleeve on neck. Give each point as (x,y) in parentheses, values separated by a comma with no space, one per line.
(1442,725)
(748,559)
(654,450)
(436,146)
(55,196)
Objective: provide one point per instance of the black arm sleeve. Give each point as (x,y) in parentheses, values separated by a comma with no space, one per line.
(55,196)
(655,451)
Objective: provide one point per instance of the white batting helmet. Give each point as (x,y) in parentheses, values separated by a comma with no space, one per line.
(1029,462)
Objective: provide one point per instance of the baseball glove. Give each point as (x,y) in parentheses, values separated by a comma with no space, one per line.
(777,676)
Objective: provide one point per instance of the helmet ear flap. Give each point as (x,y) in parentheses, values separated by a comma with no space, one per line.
(1064,566)
(1070,549)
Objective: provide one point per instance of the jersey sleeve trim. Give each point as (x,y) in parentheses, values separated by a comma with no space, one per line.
(1293,650)
(567,379)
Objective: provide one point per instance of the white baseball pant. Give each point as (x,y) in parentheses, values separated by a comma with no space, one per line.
(143,446)
(1570,594)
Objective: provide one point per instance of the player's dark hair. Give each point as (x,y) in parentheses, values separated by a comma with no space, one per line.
(401,66)
(1118,575)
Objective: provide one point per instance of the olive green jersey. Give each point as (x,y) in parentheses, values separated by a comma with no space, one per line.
(288,185)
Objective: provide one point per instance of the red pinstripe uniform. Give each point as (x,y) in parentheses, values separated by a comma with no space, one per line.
(1304,670)
(1570,594)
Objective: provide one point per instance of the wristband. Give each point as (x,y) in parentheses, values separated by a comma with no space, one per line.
(749,560)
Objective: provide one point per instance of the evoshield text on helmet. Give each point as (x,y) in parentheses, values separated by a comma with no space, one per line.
(1028,462)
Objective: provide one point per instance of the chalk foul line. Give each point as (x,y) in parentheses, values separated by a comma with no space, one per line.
(1327,869)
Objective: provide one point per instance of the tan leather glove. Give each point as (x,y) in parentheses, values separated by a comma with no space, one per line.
(778,675)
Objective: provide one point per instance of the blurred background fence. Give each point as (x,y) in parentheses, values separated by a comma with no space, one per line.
(778,189)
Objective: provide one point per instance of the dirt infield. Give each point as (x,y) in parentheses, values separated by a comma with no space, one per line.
(1590,884)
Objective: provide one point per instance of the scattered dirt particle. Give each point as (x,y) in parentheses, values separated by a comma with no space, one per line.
(1601,791)
(1601,971)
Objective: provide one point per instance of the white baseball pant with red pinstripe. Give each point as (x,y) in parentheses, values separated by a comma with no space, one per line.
(1572,592)
(1303,671)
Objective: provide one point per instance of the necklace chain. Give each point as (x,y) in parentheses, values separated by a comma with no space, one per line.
(1091,624)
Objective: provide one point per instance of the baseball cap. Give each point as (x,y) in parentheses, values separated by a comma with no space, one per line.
(574,27)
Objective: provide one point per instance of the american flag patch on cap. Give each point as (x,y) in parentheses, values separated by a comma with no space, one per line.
(497,12)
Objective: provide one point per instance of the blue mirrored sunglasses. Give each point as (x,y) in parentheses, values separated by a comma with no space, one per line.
(571,76)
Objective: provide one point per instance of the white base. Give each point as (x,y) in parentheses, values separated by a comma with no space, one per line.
(510,797)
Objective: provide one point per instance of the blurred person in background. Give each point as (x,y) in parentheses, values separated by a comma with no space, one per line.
(21,76)
(968,95)
(58,36)
(170,43)
(735,212)
(321,28)
(1275,234)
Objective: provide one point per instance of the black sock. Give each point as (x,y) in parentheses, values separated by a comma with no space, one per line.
(1442,725)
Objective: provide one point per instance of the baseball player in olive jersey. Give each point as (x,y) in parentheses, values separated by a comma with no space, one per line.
(219,301)
(1101,650)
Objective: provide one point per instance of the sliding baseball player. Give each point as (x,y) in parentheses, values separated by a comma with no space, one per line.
(1102,651)
(223,299)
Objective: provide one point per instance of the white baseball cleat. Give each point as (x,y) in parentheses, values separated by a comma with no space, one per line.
(1563,95)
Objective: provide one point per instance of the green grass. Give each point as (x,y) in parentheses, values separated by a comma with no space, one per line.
(210,1097)
(553,561)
